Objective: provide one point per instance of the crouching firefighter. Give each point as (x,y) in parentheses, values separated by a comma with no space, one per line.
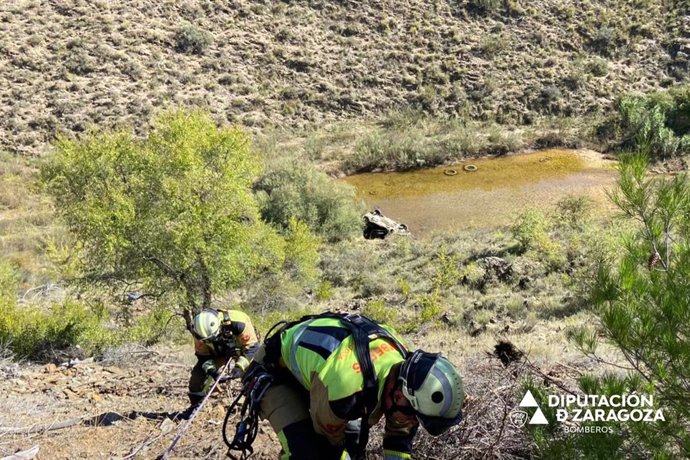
(219,335)
(328,371)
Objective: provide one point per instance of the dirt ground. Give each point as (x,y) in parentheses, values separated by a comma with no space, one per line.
(126,406)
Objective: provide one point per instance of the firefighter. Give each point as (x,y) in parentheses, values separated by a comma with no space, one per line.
(219,335)
(333,369)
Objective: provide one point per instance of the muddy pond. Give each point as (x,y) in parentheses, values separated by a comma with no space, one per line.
(487,192)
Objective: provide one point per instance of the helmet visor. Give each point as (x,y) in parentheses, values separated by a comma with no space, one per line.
(438,425)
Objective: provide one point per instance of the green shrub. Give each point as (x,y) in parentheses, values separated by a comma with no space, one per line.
(530,229)
(573,211)
(173,211)
(34,333)
(191,39)
(656,123)
(430,307)
(404,287)
(598,67)
(297,191)
(604,40)
(324,291)
(301,253)
(447,274)
(376,309)
(486,6)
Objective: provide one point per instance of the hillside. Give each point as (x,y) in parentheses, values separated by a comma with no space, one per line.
(69,65)
(94,354)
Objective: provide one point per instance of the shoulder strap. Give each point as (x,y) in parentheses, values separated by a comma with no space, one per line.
(364,331)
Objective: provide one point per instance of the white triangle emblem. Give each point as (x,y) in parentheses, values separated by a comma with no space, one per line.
(529,401)
(538,418)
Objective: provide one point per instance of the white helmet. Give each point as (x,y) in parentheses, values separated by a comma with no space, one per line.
(206,325)
(434,388)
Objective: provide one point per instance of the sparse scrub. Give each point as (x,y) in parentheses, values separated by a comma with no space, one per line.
(531,230)
(377,310)
(430,307)
(574,211)
(598,67)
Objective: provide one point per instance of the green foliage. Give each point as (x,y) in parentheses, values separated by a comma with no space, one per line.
(376,309)
(324,291)
(31,332)
(640,298)
(448,273)
(657,124)
(398,149)
(191,39)
(574,211)
(486,6)
(430,307)
(296,190)
(404,287)
(604,40)
(531,230)
(599,67)
(173,211)
(301,253)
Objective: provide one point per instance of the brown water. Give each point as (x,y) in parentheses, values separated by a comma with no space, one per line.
(493,195)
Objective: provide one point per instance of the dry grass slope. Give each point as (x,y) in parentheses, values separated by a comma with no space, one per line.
(68,65)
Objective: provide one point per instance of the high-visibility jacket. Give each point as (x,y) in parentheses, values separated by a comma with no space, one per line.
(237,339)
(320,354)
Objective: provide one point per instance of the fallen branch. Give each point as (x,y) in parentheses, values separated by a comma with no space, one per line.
(43,427)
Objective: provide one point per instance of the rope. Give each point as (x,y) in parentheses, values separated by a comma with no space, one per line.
(183,430)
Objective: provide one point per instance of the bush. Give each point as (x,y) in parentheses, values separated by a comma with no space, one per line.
(599,67)
(486,6)
(430,307)
(574,211)
(192,40)
(378,311)
(531,230)
(656,123)
(30,332)
(297,191)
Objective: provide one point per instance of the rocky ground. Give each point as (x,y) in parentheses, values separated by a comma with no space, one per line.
(125,407)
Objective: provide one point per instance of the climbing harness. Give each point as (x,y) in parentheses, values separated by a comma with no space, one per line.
(255,384)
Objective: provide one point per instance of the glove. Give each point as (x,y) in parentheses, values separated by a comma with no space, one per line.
(235,373)
(213,373)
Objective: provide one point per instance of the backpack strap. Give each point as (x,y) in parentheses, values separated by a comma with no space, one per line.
(364,331)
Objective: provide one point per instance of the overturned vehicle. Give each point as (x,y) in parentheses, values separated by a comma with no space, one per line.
(376,225)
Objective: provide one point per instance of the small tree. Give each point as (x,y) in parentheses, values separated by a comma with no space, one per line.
(641,301)
(173,212)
